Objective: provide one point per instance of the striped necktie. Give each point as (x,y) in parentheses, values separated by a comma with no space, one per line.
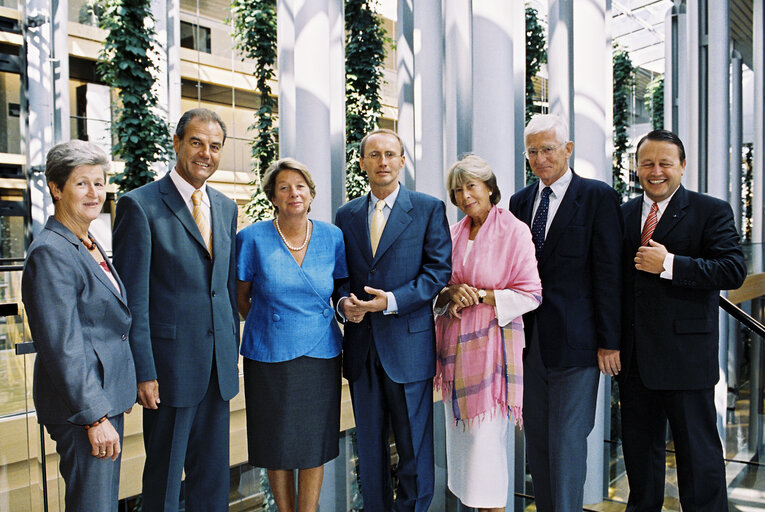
(650,224)
(201,220)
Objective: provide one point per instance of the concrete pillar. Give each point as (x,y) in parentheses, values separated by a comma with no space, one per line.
(496,122)
(167,26)
(718,101)
(458,85)
(405,84)
(60,56)
(758,161)
(38,92)
(736,135)
(306,32)
(428,149)
(579,50)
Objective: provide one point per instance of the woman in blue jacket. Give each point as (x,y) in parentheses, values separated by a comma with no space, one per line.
(288,269)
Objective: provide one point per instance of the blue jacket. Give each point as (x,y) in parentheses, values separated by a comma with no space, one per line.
(291,315)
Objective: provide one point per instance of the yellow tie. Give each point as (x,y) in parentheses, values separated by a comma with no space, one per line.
(199,218)
(377,225)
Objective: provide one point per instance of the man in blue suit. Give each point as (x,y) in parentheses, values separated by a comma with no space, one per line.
(174,246)
(576,227)
(680,249)
(398,248)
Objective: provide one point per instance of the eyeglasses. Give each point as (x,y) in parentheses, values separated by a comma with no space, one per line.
(376,155)
(544,151)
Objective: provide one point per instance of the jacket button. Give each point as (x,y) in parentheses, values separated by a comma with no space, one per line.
(276,317)
(209,332)
(213,293)
(374,270)
(327,313)
(124,337)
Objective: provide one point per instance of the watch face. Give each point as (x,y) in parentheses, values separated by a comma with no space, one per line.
(482,293)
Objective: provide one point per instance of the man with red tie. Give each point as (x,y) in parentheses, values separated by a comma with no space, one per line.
(680,249)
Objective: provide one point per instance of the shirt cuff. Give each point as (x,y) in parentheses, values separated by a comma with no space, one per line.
(392,308)
(669,260)
(339,310)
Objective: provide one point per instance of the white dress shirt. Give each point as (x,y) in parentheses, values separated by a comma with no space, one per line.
(669,259)
(186,189)
(559,188)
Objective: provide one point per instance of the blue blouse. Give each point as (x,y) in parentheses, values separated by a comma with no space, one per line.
(290,314)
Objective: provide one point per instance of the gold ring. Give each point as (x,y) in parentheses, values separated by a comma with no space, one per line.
(102,453)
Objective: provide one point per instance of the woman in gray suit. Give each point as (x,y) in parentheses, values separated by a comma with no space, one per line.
(84,377)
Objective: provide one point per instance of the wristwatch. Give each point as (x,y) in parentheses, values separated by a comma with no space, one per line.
(481,296)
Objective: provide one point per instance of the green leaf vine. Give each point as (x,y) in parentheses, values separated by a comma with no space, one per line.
(255,38)
(536,55)
(624,78)
(365,40)
(127,63)
(654,102)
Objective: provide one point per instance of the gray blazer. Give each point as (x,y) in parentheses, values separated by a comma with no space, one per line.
(183,301)
(79,323)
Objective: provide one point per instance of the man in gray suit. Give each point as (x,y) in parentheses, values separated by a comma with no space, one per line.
(174,248)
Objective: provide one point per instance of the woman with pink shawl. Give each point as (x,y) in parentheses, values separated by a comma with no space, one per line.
(479,335)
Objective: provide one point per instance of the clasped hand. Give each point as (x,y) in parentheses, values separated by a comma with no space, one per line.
(460,296)
(354,308)
(650,258)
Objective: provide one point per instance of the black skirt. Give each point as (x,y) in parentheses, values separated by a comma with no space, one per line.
(293,412)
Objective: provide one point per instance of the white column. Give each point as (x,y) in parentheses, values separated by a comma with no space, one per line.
(60,55)
(593,90)
(495,118)
(458,86)
(718,94)
(405,83)
(39,92)
(428,39)
(305,31)
(560,57)
(758,160)
(167,85)
(337,100)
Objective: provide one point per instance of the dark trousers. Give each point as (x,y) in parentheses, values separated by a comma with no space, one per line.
(192,438)
(91,483)
(698,451)
(408,408)
(558,415)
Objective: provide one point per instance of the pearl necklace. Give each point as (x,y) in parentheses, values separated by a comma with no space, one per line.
(284,239)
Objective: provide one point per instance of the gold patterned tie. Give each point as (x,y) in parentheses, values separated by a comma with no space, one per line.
(199,218)
(377,225)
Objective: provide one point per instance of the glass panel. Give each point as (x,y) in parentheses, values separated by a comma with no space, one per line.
(86,12)
(10,110)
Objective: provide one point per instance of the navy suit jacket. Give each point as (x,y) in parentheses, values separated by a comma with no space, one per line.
(413,260)
(79,323)
(580,269)
(671,326)
(183,301)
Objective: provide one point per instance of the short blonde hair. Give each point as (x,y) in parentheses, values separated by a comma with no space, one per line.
(472,167)
(285,164)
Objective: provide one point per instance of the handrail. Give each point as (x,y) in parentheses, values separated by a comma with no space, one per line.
(742,316)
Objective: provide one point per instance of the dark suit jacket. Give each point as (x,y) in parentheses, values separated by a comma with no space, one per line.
(413,260)
(183,302)
(80,324)
(580,268)
(671,326)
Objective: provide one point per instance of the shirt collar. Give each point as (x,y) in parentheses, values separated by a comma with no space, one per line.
(390,199)
(559,186)
(185,189)
(662,205)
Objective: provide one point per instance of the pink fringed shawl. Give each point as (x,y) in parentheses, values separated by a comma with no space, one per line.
(479,365)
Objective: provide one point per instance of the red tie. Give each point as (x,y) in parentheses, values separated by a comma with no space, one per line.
(650,225)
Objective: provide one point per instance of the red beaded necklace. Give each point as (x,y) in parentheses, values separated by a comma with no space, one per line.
(89,243)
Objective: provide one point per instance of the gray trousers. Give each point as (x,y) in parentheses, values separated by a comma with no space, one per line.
(91,483)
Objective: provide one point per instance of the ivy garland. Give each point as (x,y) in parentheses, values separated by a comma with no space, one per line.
(255,38)
(623,82)
(365,40)
(127,63)
(654,102)
(536,55)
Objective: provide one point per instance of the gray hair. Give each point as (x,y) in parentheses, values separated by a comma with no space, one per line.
(285,164)
(472,167)
(64,158)
(544,122)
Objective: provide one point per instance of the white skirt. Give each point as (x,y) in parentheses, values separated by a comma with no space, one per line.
(476,460)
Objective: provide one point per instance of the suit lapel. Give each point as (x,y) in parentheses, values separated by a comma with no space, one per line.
(566,212)
(88,260)
(359,229)
(527,203)
(174,201)
(220,232)
(632,221)
(398,220)
(674,213)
